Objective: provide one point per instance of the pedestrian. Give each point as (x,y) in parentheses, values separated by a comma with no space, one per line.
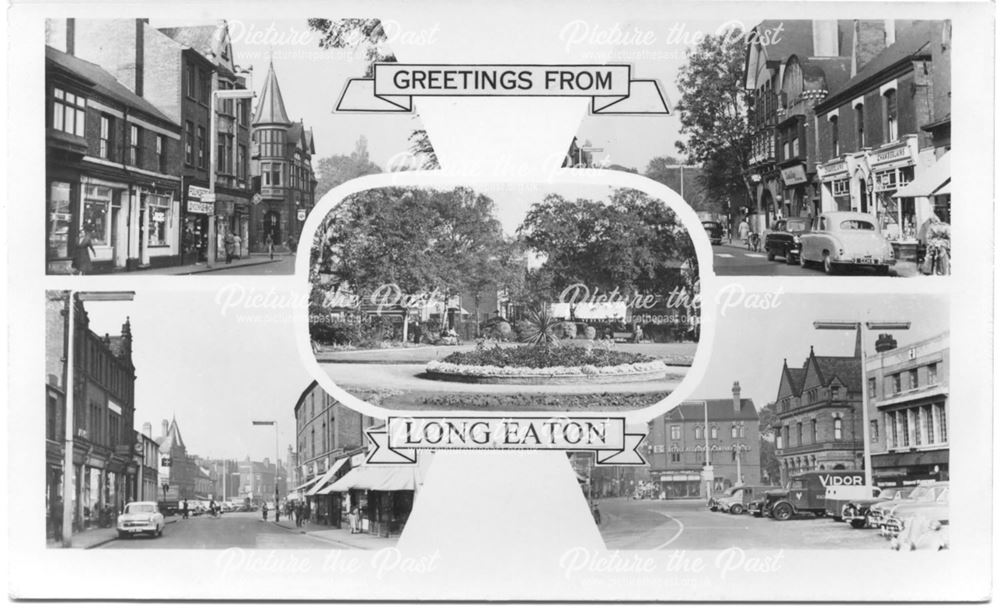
(263,509)
(298,515)
(269,243)
(238,247)
(638,333)
(291,245)
(184,509)
(744,231)
(230,248)
(352,519)
(277,512)
(84,251)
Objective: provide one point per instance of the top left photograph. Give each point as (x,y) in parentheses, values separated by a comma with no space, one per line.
(189,148)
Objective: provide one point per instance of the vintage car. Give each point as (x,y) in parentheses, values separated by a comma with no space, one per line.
(784,239)
(714,230)
(856,511)
(738,502)
(931,505)
(806,493)
(713,501)
(140,517)
(837,498)
(843,239)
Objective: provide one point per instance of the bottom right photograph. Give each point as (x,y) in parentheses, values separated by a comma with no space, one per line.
(821,423)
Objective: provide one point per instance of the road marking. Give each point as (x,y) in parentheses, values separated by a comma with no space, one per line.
(725,255)
(756,255)
(680,530)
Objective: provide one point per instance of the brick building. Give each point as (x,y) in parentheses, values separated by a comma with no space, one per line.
(178,469)
(257,481)
(818,408)
(281,161)
(908,410)
(676,444)
(105,474)
(111,170)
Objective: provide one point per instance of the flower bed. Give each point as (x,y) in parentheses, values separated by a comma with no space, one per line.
(541,365)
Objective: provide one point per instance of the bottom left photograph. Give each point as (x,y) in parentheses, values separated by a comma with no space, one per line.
(185,439)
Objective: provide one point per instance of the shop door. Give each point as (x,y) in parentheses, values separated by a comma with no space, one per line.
(117,249)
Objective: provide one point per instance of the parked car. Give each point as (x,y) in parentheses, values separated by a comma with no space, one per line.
(714,230)
(842,239)
(140,517)
(784,239)
(738,502)
(806,493)
(929,500)
(837,498)
(713,501)
(856,512)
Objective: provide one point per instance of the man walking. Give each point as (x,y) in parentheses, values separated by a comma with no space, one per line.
(298,515)
(184,509)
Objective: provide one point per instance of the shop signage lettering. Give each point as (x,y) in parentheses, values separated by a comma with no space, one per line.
(834,168)
(892,154)
(197,207)
(836,480)
(401,437)
(794,175)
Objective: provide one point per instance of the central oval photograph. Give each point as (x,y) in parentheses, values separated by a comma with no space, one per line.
(504,298)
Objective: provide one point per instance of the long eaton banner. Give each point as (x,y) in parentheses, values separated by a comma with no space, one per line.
(611,88)
(401,437)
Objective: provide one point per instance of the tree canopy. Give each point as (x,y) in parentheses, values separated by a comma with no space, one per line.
(339,168)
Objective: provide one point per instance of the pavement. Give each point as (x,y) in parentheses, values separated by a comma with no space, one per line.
(688,524)
(254,264)
(95,537)
(735,259)
(359,541)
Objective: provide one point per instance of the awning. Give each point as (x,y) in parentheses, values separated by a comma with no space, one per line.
(944,190)
(931,179)
(910,459)
(377,478)
(325,479)
(306,484)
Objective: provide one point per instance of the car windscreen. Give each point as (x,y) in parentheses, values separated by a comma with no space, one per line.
(925,493)
(857,225)
(139,509)
(796,225)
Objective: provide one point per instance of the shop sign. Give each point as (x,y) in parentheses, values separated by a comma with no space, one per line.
(794,175)
(301,215)
(159,216)
(197,207)
(898,155)
(196,192)
(832,169)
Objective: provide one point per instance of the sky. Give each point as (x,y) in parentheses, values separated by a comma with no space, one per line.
(751,344)
(311,80)
(215,368)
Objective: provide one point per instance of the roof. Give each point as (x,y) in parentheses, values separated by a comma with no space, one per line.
(271,106)
(910,42)
(846,369)
(202,38)
(796,376)
(833,71)
(104,83)
(718,410)
(796,37)
(172,439)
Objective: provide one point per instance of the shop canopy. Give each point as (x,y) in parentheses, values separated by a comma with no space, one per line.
(377,478)
(325,479)
(306,484)
(930,181)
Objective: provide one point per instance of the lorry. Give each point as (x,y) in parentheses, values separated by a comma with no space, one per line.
(806,493)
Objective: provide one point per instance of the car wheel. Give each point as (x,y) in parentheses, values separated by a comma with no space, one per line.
(828,267)
(782,512)
(790,258)
(802,261)
(770,255)
(858,524)
(736,509)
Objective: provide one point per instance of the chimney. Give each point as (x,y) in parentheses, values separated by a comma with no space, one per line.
(71,36)
(165,426)
(140,37)
(870,40)
(147,430)
(884,343)
(737,402)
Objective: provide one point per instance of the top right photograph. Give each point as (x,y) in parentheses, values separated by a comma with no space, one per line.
(845,163)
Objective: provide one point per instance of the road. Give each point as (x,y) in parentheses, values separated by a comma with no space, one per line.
(737,260)
(284,264)
(233,530)
(687,524)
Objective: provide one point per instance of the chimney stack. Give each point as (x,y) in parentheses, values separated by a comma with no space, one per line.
(147,430)
(166,427)
(884,343)
(737,402)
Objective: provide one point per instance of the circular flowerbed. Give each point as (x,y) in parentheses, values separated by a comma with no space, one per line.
(546,365)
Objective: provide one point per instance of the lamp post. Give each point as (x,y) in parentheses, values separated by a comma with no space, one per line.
(217,94)
(69,491)
(275,425)
(707,473)
(860,328)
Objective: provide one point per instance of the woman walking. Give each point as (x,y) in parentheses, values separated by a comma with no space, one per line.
(84,251)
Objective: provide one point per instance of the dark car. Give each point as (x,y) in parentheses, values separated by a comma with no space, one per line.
(714,230)
(856,511)
(806,493)
(783,240)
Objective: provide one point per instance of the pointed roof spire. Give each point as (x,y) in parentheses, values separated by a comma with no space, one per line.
(271,106)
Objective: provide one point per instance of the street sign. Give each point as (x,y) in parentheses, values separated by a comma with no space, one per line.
(301,215)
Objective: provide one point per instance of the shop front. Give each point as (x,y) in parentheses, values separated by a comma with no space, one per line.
(931,189)
(198,207)
(909,468)
(797,195)
(380,495)
(158,239)
(682,484)
(892,169)
(835,183)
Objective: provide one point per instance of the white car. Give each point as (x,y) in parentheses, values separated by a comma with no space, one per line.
(842,239)
(140,517)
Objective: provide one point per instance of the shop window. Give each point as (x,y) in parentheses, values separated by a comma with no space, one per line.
(96,213)
(835,136)
(160,219)
(942,418)
(60,217)
(69,112)
(104,144)
(859,121)
(891,123)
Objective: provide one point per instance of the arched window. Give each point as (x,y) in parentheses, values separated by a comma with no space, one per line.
(698,432)
(715,432)
(891,122)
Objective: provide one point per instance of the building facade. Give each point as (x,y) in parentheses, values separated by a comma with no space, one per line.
(257,482)
(177,469)
(677,443)
(818,408)
(281,162)
(149,466)
(908,410)
(106,475)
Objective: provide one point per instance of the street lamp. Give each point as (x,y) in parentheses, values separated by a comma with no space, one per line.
(217,94)
(275,424)
(860,328)
(69,492)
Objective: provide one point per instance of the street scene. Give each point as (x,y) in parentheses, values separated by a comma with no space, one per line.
(289,472)
(736,259)
(844,443)
(431,299)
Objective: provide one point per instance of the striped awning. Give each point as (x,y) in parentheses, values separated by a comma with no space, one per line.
(325,479)
(377,478)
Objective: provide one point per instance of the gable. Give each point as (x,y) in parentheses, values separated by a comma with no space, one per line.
(785,388)
(814,376)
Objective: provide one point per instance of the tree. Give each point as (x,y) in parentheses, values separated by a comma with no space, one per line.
(769,465)
(339,168)
(713,112)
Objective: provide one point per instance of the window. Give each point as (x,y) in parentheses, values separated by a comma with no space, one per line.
(698,432)
(715,432)
(59,219)
(104,149)
(904,425)
(942,418)
(743,430)
(912,377)
(96,213)
(859,121)
(891,119)
(896,383)
(927,418)
(68,112)
(51,414)
(932,374)
(779,442)
(798,434)
(133,145)
(192,80)
(241,162)
(675,457)
(201,147)
(271,173)
(241,111)
(841,188)
(838,428)
(835,136)
(874,431)
(675,432)
(918,425)
(733,432)
(890,430)
(189,143)
(160,220)
(814,435)
(872,390)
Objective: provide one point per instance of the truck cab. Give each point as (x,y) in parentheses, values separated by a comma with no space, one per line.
(806,493)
